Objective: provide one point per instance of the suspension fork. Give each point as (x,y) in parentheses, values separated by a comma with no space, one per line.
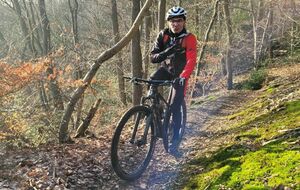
(136,124)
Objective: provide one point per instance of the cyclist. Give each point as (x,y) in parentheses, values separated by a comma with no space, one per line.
(176,49)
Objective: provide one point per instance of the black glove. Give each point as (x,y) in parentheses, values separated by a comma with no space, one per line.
(160,57)
(179,81)
(170,50)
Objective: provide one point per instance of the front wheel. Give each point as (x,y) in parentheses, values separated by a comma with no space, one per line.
(133,143)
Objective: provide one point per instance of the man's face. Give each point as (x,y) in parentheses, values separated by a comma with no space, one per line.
(176,24)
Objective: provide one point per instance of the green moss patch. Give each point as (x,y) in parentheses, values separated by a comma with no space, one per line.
(236,167)
(265,152)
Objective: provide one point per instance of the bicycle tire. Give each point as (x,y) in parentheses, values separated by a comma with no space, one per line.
(183,122)
(121,154)
(167,130)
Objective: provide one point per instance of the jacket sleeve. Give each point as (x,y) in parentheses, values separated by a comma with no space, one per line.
(191,56)
(157,54)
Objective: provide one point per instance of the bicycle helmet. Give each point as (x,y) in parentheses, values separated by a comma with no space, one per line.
(176,12)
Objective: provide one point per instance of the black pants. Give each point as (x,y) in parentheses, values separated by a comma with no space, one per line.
(176,99)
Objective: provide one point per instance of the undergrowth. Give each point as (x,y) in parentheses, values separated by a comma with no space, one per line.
(254,82)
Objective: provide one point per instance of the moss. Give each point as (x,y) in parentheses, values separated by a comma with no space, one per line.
(268,167)
(249,165)
(293,107)
(270,90)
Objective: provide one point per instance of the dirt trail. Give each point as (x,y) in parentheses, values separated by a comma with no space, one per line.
(86,164)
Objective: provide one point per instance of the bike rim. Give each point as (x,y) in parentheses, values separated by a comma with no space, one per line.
(133,156)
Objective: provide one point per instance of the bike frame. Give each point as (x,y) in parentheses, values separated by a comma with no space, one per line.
(155,98)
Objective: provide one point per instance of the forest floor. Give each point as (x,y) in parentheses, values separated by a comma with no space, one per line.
(86,163)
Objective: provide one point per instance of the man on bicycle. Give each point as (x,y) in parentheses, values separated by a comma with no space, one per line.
(176,50)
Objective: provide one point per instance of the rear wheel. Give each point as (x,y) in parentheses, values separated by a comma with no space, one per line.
(183,122)
(133,143)
(168,129)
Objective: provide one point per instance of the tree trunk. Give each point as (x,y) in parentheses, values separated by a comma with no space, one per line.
(147,44)
(179,3)
(206,37)
(4,48)
(43,96)
(120,71)
(24,28)
(161,14)
(254,25)
(73,6)
(197,19)
(31,34)
(270,38)
(54,88)
(262,44)
(229,44)
(294,27)
(136,55)
(37,38)
(261,10)
(45,26)
(63,131)
(85,124)
(74,15)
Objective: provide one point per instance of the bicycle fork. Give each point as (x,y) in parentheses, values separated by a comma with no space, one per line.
(143,139)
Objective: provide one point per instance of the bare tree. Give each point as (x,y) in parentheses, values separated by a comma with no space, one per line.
(55,91)
(161,14)
(45,26)
(73,6)
(262,44)
(63,130)
(179,3)
(147,44)
(294,26)
(270,33)
(206,37)
(24,28)
(120,71)
(4,48)
(31,33)
(136,56)
(254,25)
(229,44)
(80,132)
(35,31)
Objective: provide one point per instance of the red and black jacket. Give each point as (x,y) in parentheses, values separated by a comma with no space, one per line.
(184,61)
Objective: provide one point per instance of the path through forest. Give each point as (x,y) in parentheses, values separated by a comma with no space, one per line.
(86,163)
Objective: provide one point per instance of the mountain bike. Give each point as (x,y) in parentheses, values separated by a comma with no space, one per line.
(135,137)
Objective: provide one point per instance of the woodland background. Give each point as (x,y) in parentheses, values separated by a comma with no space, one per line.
(48,50)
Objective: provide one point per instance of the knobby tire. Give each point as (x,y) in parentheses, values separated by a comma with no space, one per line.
(167,128)
(122,145)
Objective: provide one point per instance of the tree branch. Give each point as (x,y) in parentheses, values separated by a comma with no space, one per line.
(63,131)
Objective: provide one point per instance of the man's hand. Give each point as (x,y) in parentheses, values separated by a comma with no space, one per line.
(170,50)
(180,81)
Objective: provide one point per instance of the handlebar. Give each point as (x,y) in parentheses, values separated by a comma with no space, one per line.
(136,80)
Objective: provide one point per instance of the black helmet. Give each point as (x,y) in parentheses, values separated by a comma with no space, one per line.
(176,12)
